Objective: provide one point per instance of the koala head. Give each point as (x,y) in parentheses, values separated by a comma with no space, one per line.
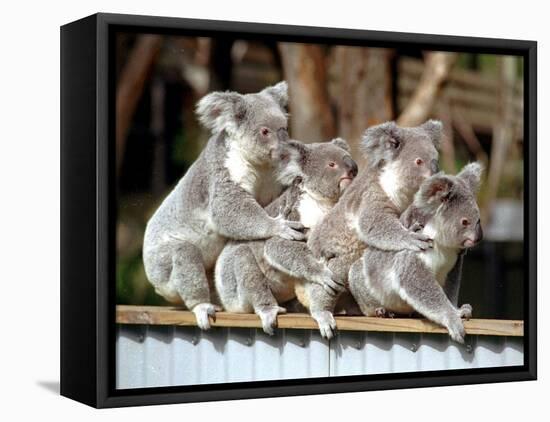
(456,222)
(255,123)
(410,154)
(326,168)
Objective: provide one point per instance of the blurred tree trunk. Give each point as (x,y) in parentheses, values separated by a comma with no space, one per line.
(436,70)
(304,68)
(221,64)
(503,130)
(130,87)
(447,141)
(362,93)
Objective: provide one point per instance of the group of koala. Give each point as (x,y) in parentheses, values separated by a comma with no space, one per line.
(259,220)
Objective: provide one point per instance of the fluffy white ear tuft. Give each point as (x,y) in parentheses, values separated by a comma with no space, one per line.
(279,92)
(221,111)
(435,130)
(342,143)
(471,174)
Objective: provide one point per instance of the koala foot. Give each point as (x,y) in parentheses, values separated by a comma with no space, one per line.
(465,311)
(329,283)
(268,315)
(326,322)
(204,310)
(383,313)
(418,242)
(290,230)
(456,330)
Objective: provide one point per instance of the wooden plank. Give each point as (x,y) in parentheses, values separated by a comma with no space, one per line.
(166,315)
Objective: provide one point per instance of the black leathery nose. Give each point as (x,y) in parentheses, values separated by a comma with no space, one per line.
(352,166)
(479,232)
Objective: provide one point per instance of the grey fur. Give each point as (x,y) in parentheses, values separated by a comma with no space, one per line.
(257,276)
(366,215)
(426,282)
(243,167)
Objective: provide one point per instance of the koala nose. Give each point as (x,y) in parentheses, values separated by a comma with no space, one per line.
(479,232)
(352,165)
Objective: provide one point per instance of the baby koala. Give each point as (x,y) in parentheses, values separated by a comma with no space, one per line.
(256,276)
(403,282)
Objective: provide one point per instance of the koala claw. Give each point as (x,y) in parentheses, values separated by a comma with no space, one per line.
(383,313)
(416,227)
(202,313)
(419,242)
(268,316)
(330,284)
(326,322)
(456,330)
(465,311)
(290,230)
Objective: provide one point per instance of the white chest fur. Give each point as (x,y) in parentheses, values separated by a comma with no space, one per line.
(439,260)
(311,210)
(260,181)
(389,181)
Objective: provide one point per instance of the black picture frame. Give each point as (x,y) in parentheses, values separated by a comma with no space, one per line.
(88,212)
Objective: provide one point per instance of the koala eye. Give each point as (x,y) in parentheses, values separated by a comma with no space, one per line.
(332,164)
(465,222)
(419,161)
(264,131)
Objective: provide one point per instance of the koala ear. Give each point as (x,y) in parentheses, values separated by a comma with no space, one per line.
(279,93)
(437,188)
(435,131)
(292,158)
(471,174)
(221,110)
(386,135)
(342,143)
(382,142)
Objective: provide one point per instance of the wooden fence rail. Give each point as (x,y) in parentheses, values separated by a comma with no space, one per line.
(165,315)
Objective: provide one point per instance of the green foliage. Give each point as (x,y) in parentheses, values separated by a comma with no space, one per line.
(132,287)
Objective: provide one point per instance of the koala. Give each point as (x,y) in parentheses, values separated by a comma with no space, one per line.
(221,196)
(399,159)
(426,281)
(256,276)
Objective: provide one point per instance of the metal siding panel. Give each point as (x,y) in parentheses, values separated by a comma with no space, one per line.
(158,362)
(513,351)
(404,352)
(185,359)
(305,354)
(211,348)
(150,356)
(240,355)
(130,356)
(267,351)
(488,352)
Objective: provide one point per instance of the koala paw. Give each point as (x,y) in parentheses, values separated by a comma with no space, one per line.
(416,227)
(326,322)
(204,310)
(418,242)
(465,311)
(456,330)
(383,313)
(290,230)
(268,316)
(327,280)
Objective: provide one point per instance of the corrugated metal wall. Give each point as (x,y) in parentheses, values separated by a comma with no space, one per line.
(155,356)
